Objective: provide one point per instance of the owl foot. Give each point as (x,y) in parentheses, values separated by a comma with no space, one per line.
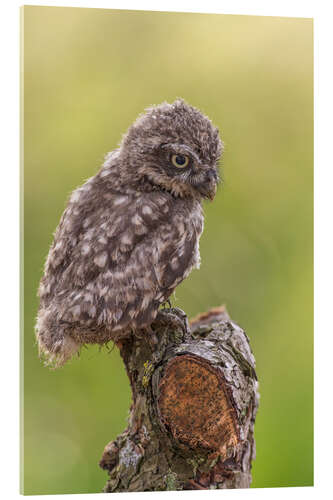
(174,318)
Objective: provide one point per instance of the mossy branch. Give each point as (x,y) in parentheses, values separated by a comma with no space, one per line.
(195,398)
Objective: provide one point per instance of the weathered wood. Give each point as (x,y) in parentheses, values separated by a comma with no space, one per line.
(195,398)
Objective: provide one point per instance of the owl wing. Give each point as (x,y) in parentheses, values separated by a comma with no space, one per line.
(175,252)
(160,261)
(116,262)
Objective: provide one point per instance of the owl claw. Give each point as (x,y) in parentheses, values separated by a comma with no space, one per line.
(174,318)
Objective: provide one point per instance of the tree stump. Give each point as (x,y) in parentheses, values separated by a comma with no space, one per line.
(195,398)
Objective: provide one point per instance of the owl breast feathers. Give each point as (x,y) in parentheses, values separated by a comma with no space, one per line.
(130,234)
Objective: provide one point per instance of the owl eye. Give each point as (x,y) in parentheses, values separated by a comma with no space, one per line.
(180,161)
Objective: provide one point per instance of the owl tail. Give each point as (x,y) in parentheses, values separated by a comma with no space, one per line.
(55,345)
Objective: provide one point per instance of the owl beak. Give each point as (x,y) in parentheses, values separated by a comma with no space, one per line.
(212,191)
(208,189)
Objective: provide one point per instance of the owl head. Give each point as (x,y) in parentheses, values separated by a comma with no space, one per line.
(173,147)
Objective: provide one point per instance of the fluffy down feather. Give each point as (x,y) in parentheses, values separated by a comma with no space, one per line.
(129,235)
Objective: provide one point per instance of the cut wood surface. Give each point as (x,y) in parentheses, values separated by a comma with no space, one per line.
(194,402)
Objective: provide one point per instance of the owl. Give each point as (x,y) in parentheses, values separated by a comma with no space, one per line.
(130,234)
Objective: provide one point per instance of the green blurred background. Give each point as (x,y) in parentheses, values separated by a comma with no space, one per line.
(87,74)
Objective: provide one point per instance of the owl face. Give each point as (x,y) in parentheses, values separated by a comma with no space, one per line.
(174,147)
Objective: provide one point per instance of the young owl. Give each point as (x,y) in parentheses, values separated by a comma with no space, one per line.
(130,234)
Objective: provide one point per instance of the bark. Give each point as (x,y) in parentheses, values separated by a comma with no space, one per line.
(194,404)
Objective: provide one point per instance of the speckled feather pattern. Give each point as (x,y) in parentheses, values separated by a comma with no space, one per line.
(129,235)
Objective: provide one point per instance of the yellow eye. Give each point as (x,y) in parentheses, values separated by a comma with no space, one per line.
(180,161)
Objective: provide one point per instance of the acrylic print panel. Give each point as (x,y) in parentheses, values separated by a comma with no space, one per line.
(88,74)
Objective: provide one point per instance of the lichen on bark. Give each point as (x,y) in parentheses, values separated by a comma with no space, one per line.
(195,398)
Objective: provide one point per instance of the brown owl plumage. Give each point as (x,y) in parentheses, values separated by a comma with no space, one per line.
(130,234)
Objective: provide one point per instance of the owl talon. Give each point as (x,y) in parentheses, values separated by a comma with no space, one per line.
(173,318)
